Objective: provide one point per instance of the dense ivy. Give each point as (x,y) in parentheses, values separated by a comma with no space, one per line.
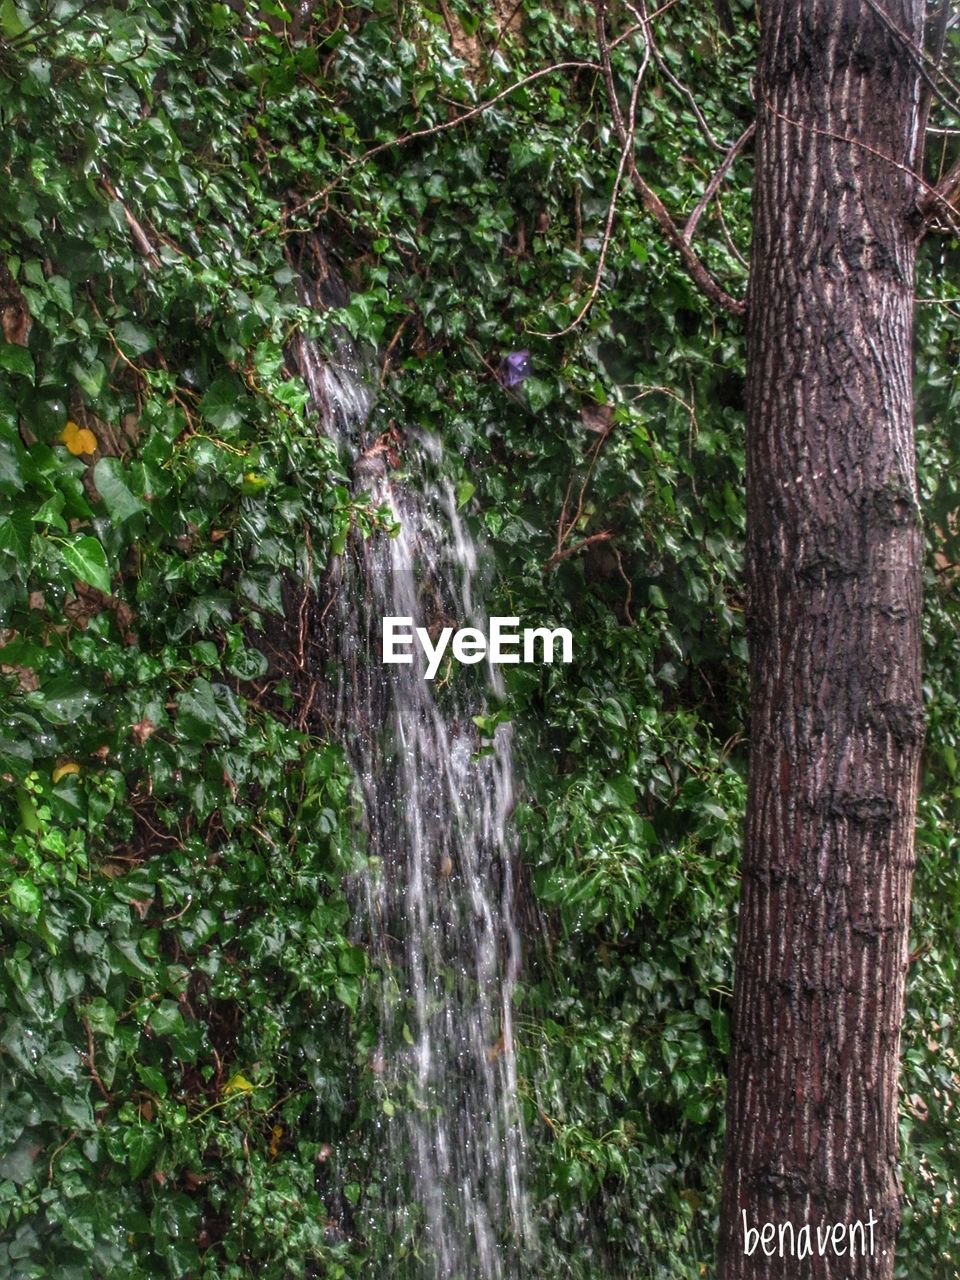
(185,1075)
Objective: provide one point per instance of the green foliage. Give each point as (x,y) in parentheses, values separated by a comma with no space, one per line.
(185,1079)
(931,1059)
(179,993)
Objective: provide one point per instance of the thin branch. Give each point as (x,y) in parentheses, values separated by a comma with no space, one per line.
(694,267)
(566,527)
(391,347)
(626,151)
(604,536)
(182,912)
(62,1147)
(728,239)
(926,106)
(561,527)
(137,233)
(628,601)
(26,38)
(91,1059)
(675,83)
(713,185)
(943,194)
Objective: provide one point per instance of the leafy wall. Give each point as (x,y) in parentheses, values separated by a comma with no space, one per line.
(186,1074)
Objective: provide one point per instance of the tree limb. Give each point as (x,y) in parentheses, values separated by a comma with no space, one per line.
(604,536)
(714,184)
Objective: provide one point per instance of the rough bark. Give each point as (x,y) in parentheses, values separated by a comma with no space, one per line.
(833,565)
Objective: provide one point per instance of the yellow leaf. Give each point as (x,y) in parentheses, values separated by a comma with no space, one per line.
(62,770)
(237,1084)
(78,439)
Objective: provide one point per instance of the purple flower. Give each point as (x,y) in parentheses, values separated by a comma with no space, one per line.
(514,368)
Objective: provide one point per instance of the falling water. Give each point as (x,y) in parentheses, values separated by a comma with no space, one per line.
(438,903)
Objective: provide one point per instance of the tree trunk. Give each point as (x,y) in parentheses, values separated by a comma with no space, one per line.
(833,568)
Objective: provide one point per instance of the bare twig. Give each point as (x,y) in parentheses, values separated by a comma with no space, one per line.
(140,376)
(182,912)
(26,38)
(562,523)
(62,1147)
(91,1058)
(943,194)
(391,346)
(140,238)
(566,527)
(623,574)
(305,600)
(728,239)
(604,535)
(640,13)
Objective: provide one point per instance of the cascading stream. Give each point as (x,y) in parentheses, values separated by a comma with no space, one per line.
(438,905)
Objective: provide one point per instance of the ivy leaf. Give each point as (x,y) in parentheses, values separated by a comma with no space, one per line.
(16,359)
(101,1016)
(238,1083)
(11,23)
(62,699)
(166,1018)
(110,479)
(141,1145)
(132,339)
(25,896)
(16,1165)
(11,474)
(87,560)
(248,664)
(15,536)
(220,404)
(348,990)
(353,960)
(78,1113)
(539,393)
(208,713)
